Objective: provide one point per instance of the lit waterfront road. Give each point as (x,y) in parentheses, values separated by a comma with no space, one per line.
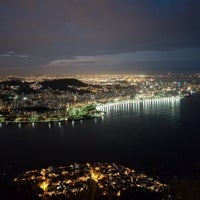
(137,102)
(109,179)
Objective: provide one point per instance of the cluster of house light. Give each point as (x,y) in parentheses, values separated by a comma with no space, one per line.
(112,179)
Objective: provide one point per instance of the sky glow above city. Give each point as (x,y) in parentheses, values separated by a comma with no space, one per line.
(99,36)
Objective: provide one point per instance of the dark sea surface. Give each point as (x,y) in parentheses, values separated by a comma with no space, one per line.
(160,139)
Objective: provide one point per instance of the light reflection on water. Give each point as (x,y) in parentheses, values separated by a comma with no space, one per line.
(151,135)
(170,110)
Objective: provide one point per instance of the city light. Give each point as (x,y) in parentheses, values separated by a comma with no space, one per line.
(111,179)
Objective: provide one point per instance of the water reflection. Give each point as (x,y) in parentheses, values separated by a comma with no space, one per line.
(132,134)
(169,107)
(49,125)
(126,108)
(19,125)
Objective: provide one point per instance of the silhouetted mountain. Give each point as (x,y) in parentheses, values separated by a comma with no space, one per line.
(20,86)
(58,84)
(62,84)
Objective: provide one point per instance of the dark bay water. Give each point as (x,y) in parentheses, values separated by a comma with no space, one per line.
(161,138)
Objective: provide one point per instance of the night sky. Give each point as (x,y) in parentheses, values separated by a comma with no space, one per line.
(98,36)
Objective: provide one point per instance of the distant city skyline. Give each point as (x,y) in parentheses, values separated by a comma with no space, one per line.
(99,36)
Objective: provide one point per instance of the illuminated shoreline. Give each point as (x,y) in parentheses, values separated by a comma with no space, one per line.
(98,111)
(67,117)
(136,101)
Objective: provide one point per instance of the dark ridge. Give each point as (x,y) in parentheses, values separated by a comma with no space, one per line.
(23,87)
(57,84)
(62,84)
(13,83)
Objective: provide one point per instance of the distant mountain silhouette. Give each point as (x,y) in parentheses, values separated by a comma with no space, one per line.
(56,84)
(23,86)
(62,84)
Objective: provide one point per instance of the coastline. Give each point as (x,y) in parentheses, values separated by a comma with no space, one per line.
(82,113)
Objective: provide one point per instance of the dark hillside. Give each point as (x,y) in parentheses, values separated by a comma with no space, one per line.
(62,84)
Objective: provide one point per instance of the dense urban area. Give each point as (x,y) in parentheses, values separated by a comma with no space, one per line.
(104,179)
(44,99)
(48,98)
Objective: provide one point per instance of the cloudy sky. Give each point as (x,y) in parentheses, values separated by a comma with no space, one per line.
(98,36)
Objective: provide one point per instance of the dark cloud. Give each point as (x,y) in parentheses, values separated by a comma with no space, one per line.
(51,30)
